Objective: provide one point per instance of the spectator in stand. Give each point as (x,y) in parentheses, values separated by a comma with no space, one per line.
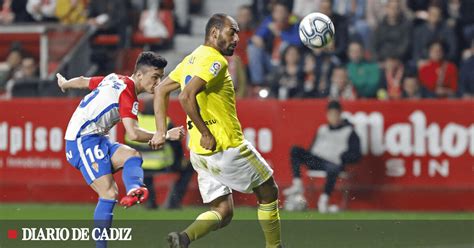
(109,17)
(434,29)
(9,67)
(391,80)
(301,8)
(238,64)
(326,61)
(274,34)
(393,34)
(309,74)
(151,25)
(42,11)
(182,13)
(438,75)
(364,75)
(412,89)
(341,87)
(6,14)
(15,9)
(466,75)
(376,11)
(71,11)
(245,20)
(287,79)
(355,12)
(27,70)
(419,9)
(466,22)
(263,8)
(341,25)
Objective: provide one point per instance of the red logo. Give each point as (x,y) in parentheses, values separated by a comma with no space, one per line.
(12,234)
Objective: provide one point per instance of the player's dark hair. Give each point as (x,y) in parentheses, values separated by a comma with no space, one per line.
(216,21)
(150,59)
(333,104)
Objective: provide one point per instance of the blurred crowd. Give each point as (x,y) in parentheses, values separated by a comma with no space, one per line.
(384,49)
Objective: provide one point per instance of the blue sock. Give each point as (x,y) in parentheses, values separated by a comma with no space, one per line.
(103,218)
(132,173)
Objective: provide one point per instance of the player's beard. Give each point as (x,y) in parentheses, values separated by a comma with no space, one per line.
(225,50)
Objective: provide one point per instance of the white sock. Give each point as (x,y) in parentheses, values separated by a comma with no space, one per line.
(323,198)
(298,182)
(323,203)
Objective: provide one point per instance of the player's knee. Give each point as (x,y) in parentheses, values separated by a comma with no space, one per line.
(135,153)
(227,218)
(226,213)
(274,190)
(268,192)
(110,193)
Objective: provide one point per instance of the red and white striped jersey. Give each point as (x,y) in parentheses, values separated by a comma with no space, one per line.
(112,97)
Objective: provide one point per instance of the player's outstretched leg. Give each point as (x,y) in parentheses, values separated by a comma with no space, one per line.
(268,214)
(106,188)
(131,162)
(220,215)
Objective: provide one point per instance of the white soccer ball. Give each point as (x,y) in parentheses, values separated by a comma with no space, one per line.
(295,202)
(316,30)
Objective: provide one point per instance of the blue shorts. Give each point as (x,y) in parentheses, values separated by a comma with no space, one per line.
(91,155)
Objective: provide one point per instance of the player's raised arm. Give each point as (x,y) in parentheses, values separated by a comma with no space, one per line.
(188,101)
(136,133)
(160,104)
(73,83)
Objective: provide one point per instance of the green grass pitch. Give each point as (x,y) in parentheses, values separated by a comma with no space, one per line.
(305,229)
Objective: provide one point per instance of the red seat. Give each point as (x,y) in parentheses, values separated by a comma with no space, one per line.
(106,39)
(138,38)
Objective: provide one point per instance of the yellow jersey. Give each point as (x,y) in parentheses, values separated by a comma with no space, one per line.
(216,102)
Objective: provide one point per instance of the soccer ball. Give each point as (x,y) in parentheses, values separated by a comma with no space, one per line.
(316,30)
(296,202)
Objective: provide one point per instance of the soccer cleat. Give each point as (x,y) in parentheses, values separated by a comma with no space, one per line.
(295,189)
(135,196)
(177,240)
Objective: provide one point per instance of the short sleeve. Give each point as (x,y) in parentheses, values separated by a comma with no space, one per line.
(210,68)
(128,103)
(94,82)
(175,75)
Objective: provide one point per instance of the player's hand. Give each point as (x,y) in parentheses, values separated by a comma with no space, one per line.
(61,82)
(175,133)
(157,141)
(208,142)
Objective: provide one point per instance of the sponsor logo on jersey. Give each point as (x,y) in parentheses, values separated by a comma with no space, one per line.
(215,68)
(135,108)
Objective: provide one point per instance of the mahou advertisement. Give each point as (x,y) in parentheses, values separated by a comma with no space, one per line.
(418,155)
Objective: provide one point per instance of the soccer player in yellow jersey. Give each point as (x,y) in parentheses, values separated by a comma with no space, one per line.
(223,159)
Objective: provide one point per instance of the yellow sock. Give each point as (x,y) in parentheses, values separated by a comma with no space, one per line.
(204,223)
(269,219)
